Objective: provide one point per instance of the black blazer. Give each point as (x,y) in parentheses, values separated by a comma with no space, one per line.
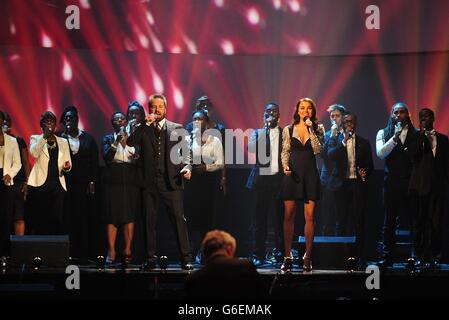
(328,166)
(145,138)
(337,153)
(429,174)
(85,163)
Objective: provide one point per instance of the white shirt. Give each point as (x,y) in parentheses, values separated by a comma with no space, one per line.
(160,124)
(350,149)
(433,143)
(384,148)
(274,150)
(125,154)
(74,142)
(210,153)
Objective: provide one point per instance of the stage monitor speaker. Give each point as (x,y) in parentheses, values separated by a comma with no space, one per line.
(53,250)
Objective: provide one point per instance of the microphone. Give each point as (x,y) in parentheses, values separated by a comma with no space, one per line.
(148,122)
(268,121)
(350,133)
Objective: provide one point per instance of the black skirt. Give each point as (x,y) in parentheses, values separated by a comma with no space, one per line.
(122,193)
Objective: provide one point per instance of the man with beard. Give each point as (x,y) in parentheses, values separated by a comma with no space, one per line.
(392,145)
(162,179)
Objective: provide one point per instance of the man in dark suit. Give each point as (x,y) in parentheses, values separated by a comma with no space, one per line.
(353,163)
(82,180)
(162,176)
(224,276)
(266,177)
(428,182)
(392,144)
(327,203)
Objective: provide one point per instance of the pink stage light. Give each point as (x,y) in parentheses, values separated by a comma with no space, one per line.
(277,4)
(46,41)
(66,71)
(304,48)
(178,98)
(219,3)
(157,82)
(85,4)
(294,6)
(253,16)
(227,47)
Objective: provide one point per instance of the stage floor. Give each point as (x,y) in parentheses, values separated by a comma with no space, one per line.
(132,283)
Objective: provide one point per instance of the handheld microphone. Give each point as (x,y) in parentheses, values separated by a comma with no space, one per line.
(350,133)
(268,121)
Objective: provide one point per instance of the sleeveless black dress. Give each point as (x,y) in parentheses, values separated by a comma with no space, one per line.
(304,182)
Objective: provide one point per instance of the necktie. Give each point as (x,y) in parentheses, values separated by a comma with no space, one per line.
(157,128)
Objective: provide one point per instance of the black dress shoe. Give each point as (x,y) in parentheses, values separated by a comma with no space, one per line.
(256,261)
(150,263)
(361,265)
(186,266)
(384,263)
(287,265)
(420,263)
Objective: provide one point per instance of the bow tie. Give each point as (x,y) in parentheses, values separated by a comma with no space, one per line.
(430,133)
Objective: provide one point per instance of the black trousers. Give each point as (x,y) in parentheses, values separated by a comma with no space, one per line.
(398,203)
(5,216)
(267,189)
(77,219)
(48,209)
(173,200)
(427,225)
(351,206)
(200,203)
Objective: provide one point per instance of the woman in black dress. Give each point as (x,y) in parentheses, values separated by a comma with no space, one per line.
(20,188)
(302,140)
(121,188)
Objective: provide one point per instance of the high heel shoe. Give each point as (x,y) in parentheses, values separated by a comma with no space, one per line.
(287,265)
(307,264)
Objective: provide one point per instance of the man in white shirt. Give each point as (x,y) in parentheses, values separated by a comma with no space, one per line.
(392,145)
(79,205)
(266,177)
(353,165)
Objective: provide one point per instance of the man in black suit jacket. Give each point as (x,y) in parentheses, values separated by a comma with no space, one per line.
(82,180)
(392,145)
(428,182)
(162,176)
(327,203)
(266,177)
(223,276)
(353,161)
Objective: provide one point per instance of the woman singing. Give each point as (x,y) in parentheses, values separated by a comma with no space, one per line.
(302,141)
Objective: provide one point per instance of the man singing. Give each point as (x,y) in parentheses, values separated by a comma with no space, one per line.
(162,179)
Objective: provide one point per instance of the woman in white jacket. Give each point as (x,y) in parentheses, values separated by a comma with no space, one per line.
(9,166)
(51,160)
